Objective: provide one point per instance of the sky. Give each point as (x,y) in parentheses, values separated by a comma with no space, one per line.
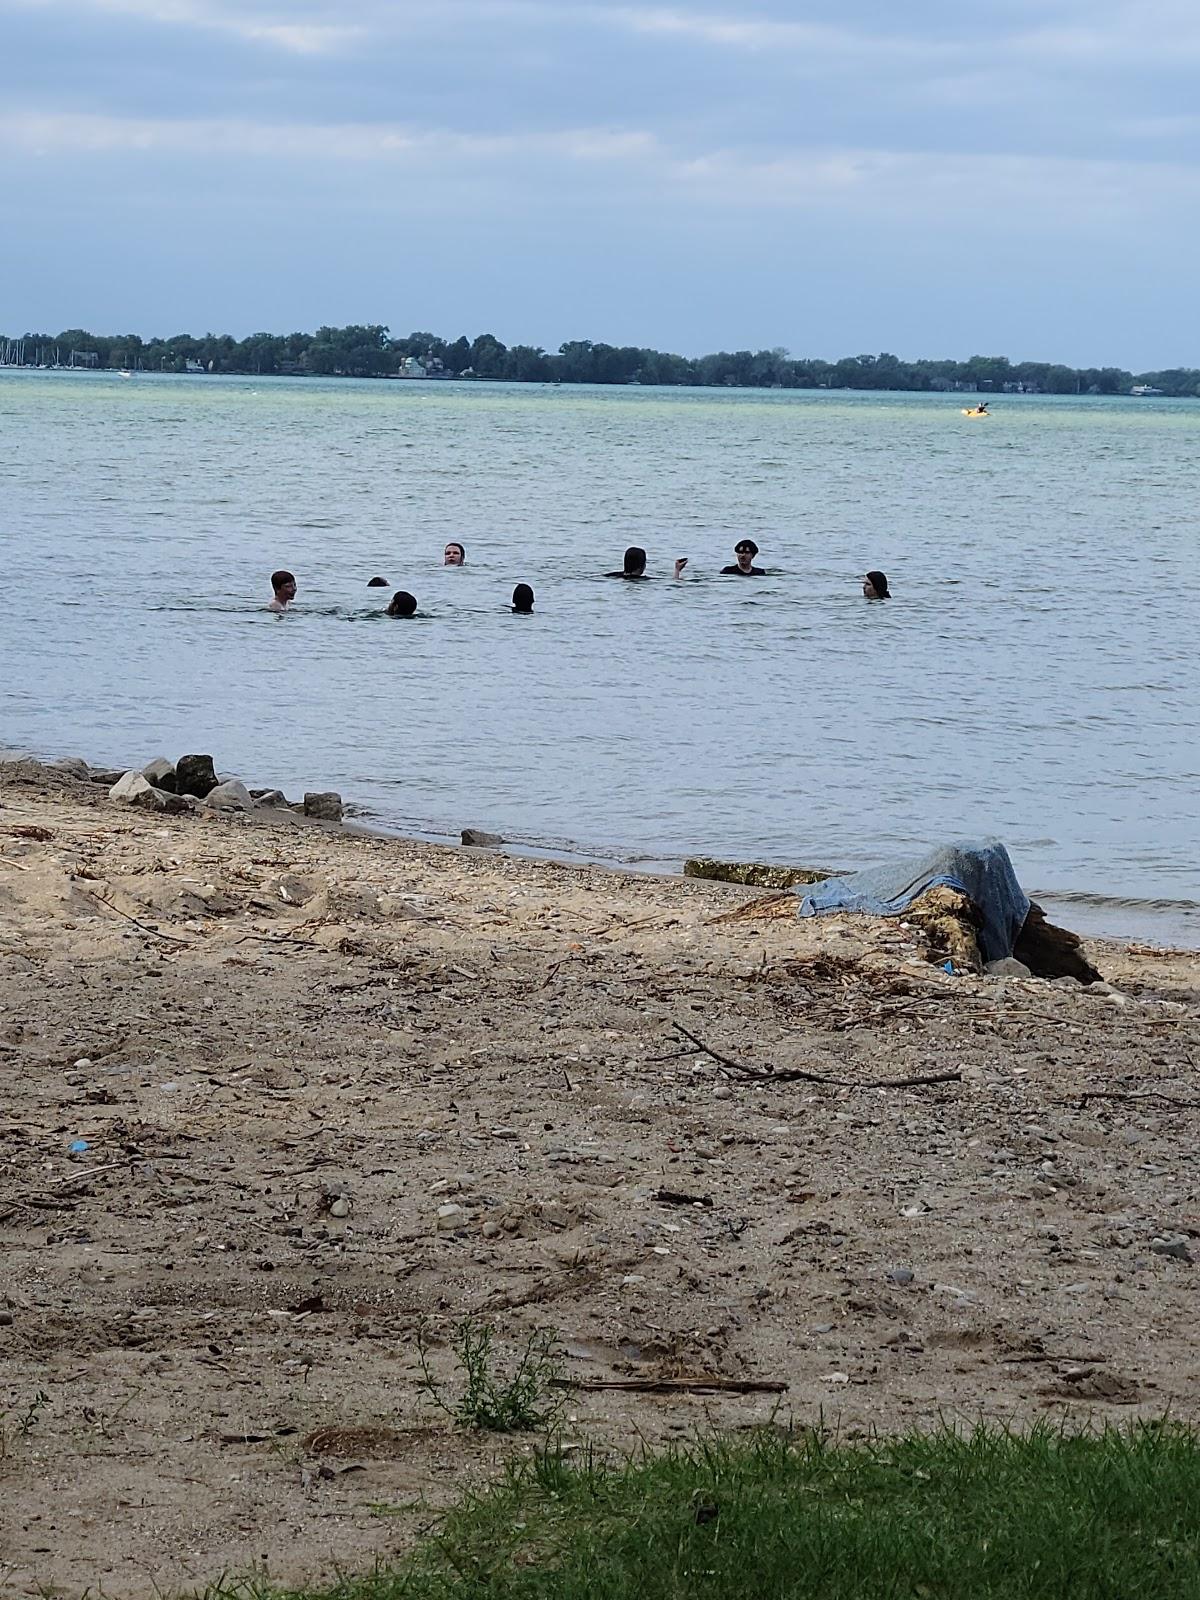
(1015,177)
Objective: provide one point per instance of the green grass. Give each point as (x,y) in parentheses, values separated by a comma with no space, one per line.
(988,1515)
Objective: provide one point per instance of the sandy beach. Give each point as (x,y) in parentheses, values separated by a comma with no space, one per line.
(288,1050)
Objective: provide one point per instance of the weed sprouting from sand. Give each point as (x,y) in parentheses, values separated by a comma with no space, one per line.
(19,1424)
(490,1402)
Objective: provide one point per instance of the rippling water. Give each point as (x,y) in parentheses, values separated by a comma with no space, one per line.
(1034,677)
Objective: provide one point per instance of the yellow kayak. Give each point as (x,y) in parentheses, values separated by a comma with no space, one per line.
(977,413)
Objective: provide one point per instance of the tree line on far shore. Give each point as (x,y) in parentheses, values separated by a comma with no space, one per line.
(370,351)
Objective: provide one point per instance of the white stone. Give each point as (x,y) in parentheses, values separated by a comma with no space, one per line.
(129,787)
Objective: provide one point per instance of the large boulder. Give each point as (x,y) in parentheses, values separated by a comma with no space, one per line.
(230,796)
(195,775)
(326,807)
(73,766)
(164,802)
(135,789)
(480,839)
(130,787)
(161,773)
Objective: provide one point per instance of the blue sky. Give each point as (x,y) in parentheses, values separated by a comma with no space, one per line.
(1002,176)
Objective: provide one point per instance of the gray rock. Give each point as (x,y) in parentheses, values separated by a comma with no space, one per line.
(900,1275)
(73,766)
(229,796)
(162,800)
(270,799)
(480,839)
(1009,967)
(161,773)
(451,1217)
(326,806)
(129,787)
(1175,1245)
(106,776)
(195,775)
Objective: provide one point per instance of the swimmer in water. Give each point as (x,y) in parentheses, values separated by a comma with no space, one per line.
(875,586)
(634,565)
(402,604)
(745,550)
(284,586)
(377,583)
(522,600)
(454,554)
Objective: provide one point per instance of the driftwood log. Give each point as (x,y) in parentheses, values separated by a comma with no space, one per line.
(948,919)
(756,874)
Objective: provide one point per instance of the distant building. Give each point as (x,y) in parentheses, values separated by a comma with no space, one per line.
(410,367)
(1144,390)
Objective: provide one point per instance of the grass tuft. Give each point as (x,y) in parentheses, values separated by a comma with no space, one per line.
(490,1402)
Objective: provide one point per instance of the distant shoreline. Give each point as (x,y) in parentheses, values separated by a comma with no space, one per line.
(370,351)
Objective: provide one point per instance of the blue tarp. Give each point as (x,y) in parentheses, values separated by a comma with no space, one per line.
(982,871)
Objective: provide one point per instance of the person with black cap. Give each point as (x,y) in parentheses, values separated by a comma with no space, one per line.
(745,550)
(634,565)
(402,604)
(522,600)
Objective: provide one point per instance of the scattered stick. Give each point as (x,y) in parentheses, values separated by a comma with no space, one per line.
(1148,1094)
(171,938)
(1049,1355)
(726,1062)
(86,1173)
(801,1075)
(922,1081)
(9,862)
(699,1385)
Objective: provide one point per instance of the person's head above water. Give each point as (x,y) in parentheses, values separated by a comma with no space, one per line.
(454,554)
(522,600)
(745,551)
(633,563)
(875,586)
(377,583)
(284,586)
(402,604)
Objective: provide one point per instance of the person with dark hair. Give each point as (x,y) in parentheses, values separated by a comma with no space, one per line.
(377,583)
(875,586)
(745,550)
(402,604)
(454,554)
(634,565)
(522,600)
(284,585)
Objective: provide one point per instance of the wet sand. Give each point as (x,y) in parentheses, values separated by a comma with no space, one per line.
(287,1046)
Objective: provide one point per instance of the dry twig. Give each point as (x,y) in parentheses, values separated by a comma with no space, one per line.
(800,1074)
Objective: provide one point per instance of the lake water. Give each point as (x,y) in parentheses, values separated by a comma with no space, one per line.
(1034,677)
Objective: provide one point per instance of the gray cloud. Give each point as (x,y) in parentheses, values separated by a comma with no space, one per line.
(935,131)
